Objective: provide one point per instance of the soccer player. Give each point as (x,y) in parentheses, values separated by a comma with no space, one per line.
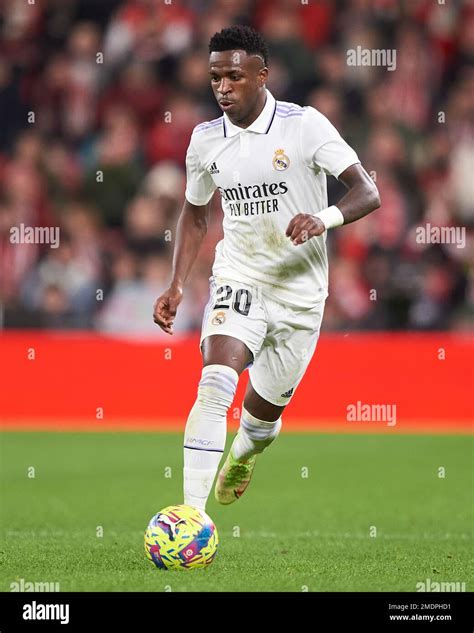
(268,159)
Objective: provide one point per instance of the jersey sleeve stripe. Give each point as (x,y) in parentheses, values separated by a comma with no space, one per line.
(288,115)
(288,106)
(208,125)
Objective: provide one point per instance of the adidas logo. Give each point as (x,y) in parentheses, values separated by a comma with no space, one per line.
(288,393)
(213,169)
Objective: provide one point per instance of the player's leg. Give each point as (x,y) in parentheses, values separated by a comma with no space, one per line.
(260,424)
(230,339)
(274,376)
(221,349)
(224,359)
(259,407)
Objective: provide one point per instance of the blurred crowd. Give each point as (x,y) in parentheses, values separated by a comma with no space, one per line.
(98,99)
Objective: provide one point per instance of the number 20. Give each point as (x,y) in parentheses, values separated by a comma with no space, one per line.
(224,293)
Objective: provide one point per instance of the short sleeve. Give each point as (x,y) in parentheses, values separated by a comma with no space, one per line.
(323,146)
(199,184)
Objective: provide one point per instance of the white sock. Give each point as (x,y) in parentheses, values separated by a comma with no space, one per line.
(205,434)
(254,435)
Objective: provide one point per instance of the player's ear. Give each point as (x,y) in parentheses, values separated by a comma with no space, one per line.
(262,76)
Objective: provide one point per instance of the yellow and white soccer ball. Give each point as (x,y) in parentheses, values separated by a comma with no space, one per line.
(181,537)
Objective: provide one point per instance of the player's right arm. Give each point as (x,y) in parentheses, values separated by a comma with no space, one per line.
(190,231)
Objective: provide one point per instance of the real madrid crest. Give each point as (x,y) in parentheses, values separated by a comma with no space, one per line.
(219,318)
(280,161)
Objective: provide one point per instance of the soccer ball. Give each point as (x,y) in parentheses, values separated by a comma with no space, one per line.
(181,537)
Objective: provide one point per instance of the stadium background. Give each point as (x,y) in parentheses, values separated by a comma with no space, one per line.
(131,117)
(115,89)
(79,351)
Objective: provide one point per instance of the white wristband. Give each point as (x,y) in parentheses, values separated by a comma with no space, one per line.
(330,217)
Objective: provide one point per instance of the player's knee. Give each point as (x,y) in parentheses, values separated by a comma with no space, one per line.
(217,388)
(261,432)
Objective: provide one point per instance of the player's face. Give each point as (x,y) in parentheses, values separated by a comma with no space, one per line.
(237,80)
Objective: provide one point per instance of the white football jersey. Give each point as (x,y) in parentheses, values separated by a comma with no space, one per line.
(266,174)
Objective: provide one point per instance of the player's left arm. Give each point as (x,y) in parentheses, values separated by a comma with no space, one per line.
(361,199)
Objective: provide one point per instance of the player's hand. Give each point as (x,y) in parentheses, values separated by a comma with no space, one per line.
(303,227)
(165,308)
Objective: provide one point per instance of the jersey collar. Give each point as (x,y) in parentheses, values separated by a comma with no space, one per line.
(262,123)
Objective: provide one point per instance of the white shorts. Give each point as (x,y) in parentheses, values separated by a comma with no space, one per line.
(281,338)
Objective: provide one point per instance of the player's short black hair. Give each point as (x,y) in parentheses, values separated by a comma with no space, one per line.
(242,38)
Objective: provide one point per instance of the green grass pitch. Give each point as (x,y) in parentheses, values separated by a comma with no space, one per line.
(289,532)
